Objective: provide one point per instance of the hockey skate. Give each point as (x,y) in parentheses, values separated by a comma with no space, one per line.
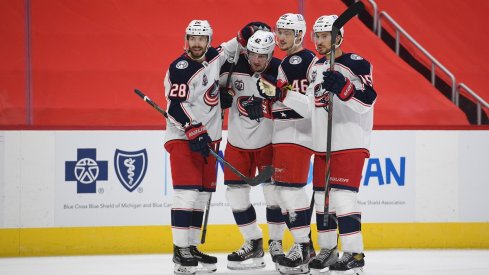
(296,261)
(207,262)
(249,256)
(185,263)
(276,251)
(349,261)
(323,260)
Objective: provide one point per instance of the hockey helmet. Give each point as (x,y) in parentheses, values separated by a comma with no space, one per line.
(262,42)
(199,27)
(325,24)
(294,22)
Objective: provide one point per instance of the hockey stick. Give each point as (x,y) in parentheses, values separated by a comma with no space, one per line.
(208,206)
(231,69)
(265,174)
(348,14)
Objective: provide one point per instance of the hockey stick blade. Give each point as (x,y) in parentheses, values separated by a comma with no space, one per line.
(264,175)
(348,14)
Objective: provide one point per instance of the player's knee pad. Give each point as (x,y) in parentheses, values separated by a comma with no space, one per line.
(291,198)
(184,199)
(271,195)
(343,201)
(319,202)
(201,201)
(238,196)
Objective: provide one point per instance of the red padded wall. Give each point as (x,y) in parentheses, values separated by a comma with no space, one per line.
(12,63)
(452,31)
(89,55)
(95,53)
(404,96)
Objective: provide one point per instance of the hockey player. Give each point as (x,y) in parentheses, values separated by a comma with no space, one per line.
(249,145)
(292,147)
(194,125)
(351,82)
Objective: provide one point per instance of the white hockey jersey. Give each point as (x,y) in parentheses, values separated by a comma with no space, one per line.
(192,92)
(288,125)
(242,132)
(352,119)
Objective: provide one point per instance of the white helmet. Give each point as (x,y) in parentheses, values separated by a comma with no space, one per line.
(261,42)
(294,22)
(325,24)
(199,27)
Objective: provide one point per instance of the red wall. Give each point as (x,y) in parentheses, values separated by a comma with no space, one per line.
(12,63)
(87,57)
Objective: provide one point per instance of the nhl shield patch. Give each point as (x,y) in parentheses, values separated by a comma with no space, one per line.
(130,167)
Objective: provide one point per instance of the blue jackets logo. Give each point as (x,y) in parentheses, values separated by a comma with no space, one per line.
(86,171)
(130,167)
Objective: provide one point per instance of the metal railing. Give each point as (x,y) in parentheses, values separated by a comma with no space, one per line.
(434,63)
(375,16)
(480,102)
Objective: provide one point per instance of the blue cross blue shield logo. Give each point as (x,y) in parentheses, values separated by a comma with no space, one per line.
(130,167)
(86,170)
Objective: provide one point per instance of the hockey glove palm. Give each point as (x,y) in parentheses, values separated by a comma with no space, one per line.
(272,89)
(338,84)
(257,108)
(198,138)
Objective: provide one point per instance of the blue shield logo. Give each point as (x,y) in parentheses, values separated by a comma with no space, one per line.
(130,167)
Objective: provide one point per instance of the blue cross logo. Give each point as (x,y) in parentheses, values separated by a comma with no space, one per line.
(86,170)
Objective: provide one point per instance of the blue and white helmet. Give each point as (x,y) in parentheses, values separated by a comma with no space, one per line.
(294,22)
(325,24)
(199,27)
(262,42)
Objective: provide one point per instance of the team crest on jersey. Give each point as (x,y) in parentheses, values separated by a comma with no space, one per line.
(204,80)
(239,85)
(294,60)
(211,96)
(313,76)
(182,64)
(241,102)
(355,57)
(130,167)
(321,97)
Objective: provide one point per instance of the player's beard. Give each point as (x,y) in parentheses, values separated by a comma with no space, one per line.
(192,52)
(322,49)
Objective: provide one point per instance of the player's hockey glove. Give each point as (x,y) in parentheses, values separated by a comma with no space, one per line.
(257,107)
(244,34)
(260,25)
(271,88)
(198,139)
(226,97)
(338,84)
(247,31)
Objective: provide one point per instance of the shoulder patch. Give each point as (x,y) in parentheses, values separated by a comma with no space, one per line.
(355,57)
(182,64)
(295,59)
